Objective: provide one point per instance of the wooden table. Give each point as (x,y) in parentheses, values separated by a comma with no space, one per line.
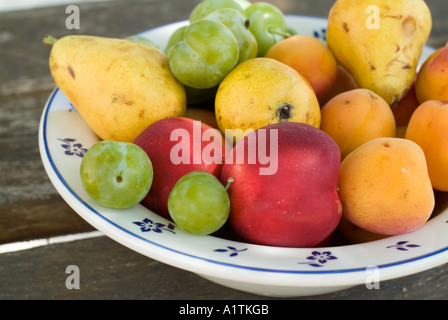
(30,207)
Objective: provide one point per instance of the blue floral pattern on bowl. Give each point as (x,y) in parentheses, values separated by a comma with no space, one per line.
(72,148)
(232,250)
(321,34)
(404,246)
(319,259)
(148,225)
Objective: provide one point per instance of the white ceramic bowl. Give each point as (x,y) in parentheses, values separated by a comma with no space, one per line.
(283,272)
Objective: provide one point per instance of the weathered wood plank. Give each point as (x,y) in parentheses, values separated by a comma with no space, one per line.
(30,207)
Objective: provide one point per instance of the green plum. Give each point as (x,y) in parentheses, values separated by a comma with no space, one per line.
(142,40)
(194,96)
(207,54)
(176,36)
(243,3)
(206,7)
(116,174)
(267,23)
(239,26)
(199,203)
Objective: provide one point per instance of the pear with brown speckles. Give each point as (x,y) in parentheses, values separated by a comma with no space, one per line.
(380,42)
(118,86)
(261,92)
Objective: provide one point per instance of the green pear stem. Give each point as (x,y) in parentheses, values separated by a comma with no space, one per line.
(229,182)
(280,33)
(49,40)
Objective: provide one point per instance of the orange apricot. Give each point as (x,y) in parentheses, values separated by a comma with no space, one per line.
(384,187)
(354,117)
(428,128)
(311,58)
(432,79)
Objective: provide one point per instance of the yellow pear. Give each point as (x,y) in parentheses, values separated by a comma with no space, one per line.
(118,86)
(263,91)
(380,42)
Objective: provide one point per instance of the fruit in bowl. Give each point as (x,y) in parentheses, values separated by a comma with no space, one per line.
(115,83)
(177,146)
(380,50)
(385,188)
(237,23)
(205,7)
(428,128)
(356,116)
(207,53)
(288,199)
(431,79)
(264,91)
(199,203)
(268,25)
(239,264)
(116,174)
(311,58)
